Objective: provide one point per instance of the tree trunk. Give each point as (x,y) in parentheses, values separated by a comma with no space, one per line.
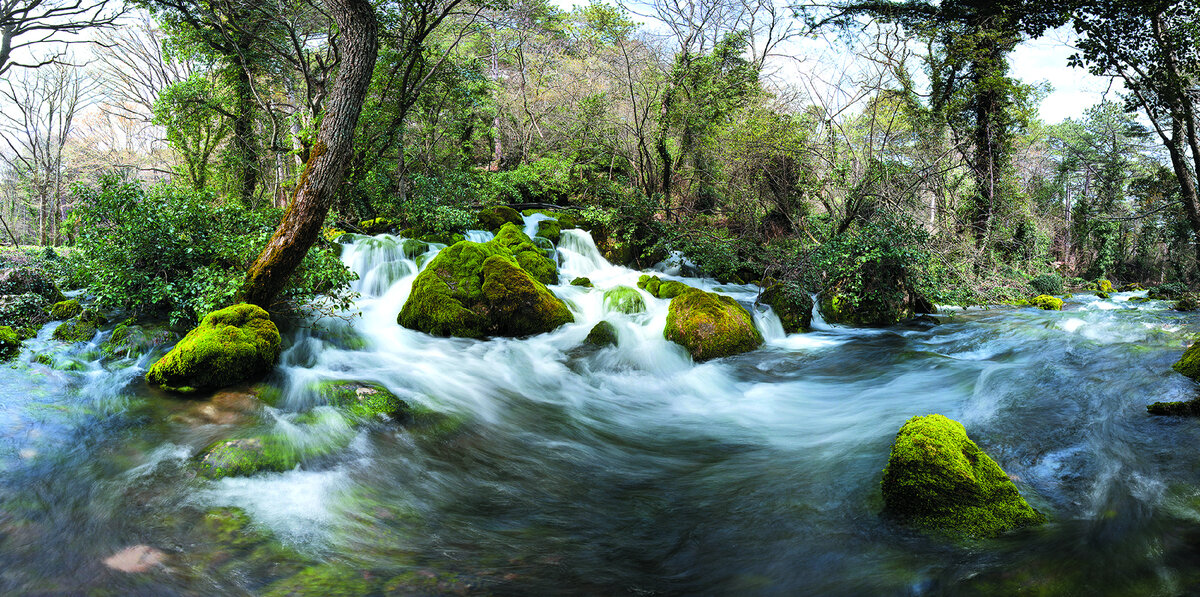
(326,165)
(244,143)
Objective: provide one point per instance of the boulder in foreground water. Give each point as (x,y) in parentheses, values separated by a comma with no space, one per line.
(710,325)
(1046,302)
(602,334)
(938,479)
(1189,363)
(231,345)
(474,290)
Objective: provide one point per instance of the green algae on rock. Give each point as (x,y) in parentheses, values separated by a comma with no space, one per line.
(376,226)
(550,229)
(602,334)
(64,310)
(662,289)
(623,299)
(326,580)
(710,325)
(1190,408)
(132,340)
(473,290)
(362,400)
(791,304)
(581,281)
(230,345)
(938,479)
(528,255)
(1104,286)
(1046,302)
(81,328)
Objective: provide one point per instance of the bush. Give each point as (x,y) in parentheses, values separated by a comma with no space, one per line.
(547,180)
(167,251)
(1047,284)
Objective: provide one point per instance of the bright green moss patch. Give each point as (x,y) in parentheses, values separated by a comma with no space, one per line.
(791,304)
(1104,286)
(1046,302)
(376,226)
(362,400)
(81,328)
(602,334)
(1189,363)
(64,310)
(581,281)
(10,343)
(473,290)
(710,325)
(550,229)
(938,479)
(663,289)
(529,256)
(230,345)
(325,580)
(623,299)
(492,218)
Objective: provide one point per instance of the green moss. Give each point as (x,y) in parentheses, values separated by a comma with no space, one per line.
(658,288)
(247,456)
(64,310)
(493,218)
(1046,302)
(1191,408)
(1104,286)
(550,229)
(326,580)
(791,304)
(474,290)
(1189,363)
(423,235)
(602,334)
(362,400)
(10,343)
(1131,287)
(710,325)
(938,479)
(529,256)
(413,247)
(623,299)
(584,282)
(80,329)
(230,345)
(427,582)
(1140,299)
(130,340)
(376,226)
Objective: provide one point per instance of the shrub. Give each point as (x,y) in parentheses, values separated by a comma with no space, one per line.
(1047,284)
(547,180)
(179,253)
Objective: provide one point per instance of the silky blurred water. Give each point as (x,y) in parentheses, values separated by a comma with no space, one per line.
(562,469)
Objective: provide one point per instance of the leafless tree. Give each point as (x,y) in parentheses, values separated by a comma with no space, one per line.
(25,24)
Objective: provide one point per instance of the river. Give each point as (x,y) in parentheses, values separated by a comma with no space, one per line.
(556,469)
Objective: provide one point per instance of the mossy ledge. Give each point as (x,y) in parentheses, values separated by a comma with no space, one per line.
(231,345)
(710,325)
(937,479)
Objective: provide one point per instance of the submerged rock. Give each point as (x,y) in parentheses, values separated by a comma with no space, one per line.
(791,304)
(362,400)
(623,299)
(247,456)
(64,310)
(602,334)
(132,340)
(663,289)
(938,479)
(1046,302)
(492,218)
(135,559)
(581,281)
(710,325)
(231,345)
(327,580)
(473,290)
(81,328)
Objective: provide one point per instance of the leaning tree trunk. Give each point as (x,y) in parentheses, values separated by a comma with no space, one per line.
(326,165)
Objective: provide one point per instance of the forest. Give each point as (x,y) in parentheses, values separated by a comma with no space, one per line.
(514,297)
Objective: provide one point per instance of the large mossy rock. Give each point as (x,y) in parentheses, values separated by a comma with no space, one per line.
(1189,363)
(64,310)
(791,304)
(493,218)
(1046,302)
(602,334)
(938,479)
(376,226)
(474,290)
(623,299)
(528,255)
(663,289)
(231,345)
(710,325)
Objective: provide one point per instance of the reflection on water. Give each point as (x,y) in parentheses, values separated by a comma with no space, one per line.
(548,468)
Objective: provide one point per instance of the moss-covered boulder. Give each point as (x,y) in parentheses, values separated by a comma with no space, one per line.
(362,400)
(1046,302)
(10,343)
(581,281)
(1190,408)
(1189,363)
(493,218)
(246,456)
(791,304)
(377,226)
(602,334)
(81,328)
(473,290)
(710,325)
(938,479)
(623,299)
(528,255)
(231,345)
(550,229)
(1104,286)
(64,310)
(663,289)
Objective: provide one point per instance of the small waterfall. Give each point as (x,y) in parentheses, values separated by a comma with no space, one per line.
(532,221)
(579,255)
(479,236)
(768,323)
(818,322)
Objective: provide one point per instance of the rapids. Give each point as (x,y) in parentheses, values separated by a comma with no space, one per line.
(551,468)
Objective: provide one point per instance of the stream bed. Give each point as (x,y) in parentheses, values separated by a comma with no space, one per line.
(552,468)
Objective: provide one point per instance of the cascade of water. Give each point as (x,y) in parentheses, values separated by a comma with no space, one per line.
(818,322)
(479,236)
(531,223)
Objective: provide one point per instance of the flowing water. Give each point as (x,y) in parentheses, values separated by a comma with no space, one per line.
(554,468)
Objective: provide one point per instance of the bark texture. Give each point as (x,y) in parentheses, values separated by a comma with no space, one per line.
(326,166)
